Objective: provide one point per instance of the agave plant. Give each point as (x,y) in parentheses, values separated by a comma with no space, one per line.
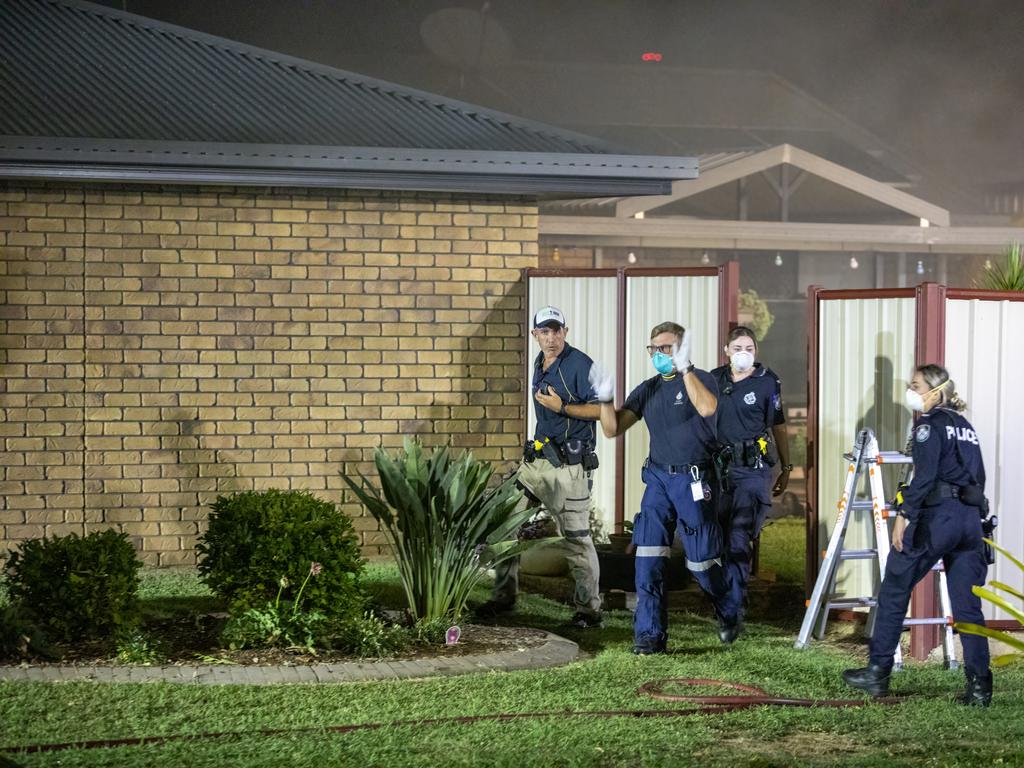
(1008,277)
(992,597)
(444,523)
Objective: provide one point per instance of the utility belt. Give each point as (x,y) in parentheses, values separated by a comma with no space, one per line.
(680,469)
(757,452)
(570,453)
(971,495)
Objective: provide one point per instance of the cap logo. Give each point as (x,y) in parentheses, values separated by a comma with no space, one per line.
(548,315)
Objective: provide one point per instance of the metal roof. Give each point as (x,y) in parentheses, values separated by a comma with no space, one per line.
(92,92)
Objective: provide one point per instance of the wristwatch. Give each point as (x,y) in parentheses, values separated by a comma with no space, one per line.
(787,467)
(561,409)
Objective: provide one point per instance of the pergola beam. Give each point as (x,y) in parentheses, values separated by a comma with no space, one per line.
(672,232)
(789,155)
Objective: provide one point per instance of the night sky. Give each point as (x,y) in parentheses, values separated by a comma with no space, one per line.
(941,81)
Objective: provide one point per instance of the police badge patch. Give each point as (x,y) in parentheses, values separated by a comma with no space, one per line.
(922,433)
(750,398)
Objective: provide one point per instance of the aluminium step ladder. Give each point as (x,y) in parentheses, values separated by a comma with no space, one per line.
(865,455)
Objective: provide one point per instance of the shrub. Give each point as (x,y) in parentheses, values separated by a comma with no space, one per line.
(278,623)
(77,586)
(444,523)
(20,637)
(256,539)
(134,647)
(369,636)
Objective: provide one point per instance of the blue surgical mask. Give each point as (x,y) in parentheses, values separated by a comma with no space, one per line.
(662,363)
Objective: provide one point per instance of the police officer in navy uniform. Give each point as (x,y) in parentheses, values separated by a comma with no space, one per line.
(678,404)
(752,433)
(939,516)
(557,466)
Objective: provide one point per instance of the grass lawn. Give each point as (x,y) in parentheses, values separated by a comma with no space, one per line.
(926,729)
(783,548)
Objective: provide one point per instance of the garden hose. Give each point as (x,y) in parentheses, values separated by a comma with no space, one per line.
(749,696)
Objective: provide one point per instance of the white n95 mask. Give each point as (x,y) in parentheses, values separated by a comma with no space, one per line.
(915,401)
(742,361)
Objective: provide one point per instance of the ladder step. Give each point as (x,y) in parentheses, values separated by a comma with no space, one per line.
(921,622)
(852,602)
(858,554)
(869,505)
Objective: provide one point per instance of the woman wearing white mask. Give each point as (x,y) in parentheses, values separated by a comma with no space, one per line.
(752,430)
(938,517)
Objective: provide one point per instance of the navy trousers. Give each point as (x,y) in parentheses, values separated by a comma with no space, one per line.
(742,512)
(952,532)
(668,504)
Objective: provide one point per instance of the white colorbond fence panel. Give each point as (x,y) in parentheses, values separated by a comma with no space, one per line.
(865,355)
(691,301)
(590,305)
(983,342)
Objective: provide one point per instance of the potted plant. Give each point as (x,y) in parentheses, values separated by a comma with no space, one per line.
(619,542)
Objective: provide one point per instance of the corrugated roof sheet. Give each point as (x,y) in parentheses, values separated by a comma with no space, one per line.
(75,70)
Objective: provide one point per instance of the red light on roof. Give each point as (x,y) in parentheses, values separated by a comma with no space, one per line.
(651,56)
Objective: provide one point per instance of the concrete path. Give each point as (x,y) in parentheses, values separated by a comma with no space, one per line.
(554,652)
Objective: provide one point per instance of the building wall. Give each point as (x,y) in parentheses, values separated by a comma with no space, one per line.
(159,347)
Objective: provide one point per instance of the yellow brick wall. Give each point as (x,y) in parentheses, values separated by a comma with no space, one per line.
(161,346)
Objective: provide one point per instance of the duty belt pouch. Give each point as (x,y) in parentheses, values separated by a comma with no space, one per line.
(590,462)
(529,452)
(550,452)
(573,452)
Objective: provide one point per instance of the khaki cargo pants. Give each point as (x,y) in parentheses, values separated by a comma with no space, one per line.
(565,493)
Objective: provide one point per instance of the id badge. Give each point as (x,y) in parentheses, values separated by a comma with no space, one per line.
(696,487)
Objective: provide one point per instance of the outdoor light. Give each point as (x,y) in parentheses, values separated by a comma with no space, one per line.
(705,259)
(555,255)
(778,258)
(638,215)
(631,258)
(925,223)
(988,263)
(854,263)
(651,56)
(920,267)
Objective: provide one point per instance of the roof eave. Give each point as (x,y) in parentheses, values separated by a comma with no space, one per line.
(493,183)
(536,173)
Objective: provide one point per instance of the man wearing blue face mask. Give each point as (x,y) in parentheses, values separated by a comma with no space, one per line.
(678,405)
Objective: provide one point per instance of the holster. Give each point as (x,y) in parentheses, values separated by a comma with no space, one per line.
(988,526)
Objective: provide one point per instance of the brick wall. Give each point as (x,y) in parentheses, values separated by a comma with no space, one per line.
(162,346)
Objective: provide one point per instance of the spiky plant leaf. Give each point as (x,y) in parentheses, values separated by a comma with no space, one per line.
(1008,276)
(444,522)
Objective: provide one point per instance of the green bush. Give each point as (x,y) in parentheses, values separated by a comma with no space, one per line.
(259,540)
(20,637)
(77,586)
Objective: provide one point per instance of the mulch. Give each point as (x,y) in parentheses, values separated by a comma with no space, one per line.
(195,640)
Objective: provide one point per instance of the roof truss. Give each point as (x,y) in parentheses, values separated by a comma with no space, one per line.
(786,154)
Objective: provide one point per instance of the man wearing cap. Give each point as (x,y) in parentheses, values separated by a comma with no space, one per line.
(557,465)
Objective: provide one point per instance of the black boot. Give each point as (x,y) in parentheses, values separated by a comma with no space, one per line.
(728,631)
(979,690)
(872,678)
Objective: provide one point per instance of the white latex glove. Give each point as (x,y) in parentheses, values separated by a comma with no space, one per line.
(681,354)
(603,383)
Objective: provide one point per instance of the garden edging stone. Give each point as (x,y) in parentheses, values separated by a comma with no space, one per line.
(555,651)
